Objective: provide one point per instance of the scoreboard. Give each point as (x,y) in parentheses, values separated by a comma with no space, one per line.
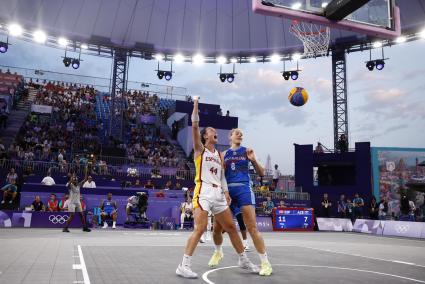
(293,219)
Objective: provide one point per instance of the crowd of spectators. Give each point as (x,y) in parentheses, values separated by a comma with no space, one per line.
(356,208)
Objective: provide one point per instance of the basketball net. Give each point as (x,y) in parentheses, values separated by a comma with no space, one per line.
(315,38)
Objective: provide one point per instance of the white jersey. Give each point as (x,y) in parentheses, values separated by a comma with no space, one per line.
(208,168)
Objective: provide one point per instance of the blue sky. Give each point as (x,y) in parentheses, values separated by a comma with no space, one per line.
(386,108)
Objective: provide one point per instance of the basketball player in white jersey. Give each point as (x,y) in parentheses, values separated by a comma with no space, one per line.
(211,194)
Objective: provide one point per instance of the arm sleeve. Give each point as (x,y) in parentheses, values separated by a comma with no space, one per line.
(224,181)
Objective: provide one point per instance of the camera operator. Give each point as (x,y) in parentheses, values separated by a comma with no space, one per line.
(137,204)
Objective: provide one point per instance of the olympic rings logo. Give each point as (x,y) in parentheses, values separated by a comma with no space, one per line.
(58,219)
(402,229)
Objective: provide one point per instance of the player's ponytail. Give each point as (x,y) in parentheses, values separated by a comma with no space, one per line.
(203,132)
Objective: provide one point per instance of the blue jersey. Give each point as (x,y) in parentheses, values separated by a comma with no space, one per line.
(237,166)
(108,206)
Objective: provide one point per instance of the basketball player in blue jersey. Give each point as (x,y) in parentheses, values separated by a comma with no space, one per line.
(237,160)
(211,194)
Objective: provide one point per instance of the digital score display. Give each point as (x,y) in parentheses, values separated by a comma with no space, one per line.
(293,219)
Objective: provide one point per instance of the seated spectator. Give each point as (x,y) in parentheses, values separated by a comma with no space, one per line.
(160,194)
(137,183)
(155,172)
(268,205)
(109,210)
(326,206)
(37,204)
(9,190)
(358,205)
(180,173)
(373,209)
(63,203)
(168,185)
(342,207)
(89,183)
(383,209)
(12,175)
(282,204)
(350,210)
(149,185)
(48,180)
(186,209)
(178,186)
(53,203)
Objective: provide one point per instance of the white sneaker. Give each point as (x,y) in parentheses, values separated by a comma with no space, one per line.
(186,272)
(202,239)
(247,248)
(114,226)
(105,225)
(2,202)
(245,263)
(10,202)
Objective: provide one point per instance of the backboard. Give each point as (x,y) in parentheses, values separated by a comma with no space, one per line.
(377,18)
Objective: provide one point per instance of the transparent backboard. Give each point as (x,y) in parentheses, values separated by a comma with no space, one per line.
(376,18)
(376,12)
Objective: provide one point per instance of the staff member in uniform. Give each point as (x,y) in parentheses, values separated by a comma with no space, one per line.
(109,210)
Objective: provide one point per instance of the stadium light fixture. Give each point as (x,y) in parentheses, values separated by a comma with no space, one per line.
(296,6)
(294,75)
(178,58)
(39,36)
(168,75)
(275,58)
(222,77)
(377,44)
(422,34)
(233,60)
(379,64)
(63,41)
(198,59)
(296,56)
(370,65)
(84,46)
(324,4)
(3,47)
(221,60)
(159,56)
(286,75)
(401,39)
(67,61)
(75,63)
(252,59)
(15,29)
(160,74)
(230,77)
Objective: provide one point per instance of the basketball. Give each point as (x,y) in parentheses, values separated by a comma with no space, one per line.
(298,96)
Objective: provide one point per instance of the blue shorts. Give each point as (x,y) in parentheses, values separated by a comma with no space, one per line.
(241,196)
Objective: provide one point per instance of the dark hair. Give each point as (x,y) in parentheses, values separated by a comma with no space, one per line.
(203,132)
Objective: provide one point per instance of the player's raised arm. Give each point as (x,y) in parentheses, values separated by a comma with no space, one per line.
(259,169)
(196,134)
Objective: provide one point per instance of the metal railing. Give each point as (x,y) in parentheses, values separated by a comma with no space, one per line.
(143,172)
(279,195)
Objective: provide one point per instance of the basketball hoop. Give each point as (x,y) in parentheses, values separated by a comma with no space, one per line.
(315,37)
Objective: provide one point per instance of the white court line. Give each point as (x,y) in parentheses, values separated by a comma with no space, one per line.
(82,266)
(205,275)
(363,256)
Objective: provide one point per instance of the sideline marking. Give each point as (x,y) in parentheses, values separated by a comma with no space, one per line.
(363,256)
(205,275)
(82,267)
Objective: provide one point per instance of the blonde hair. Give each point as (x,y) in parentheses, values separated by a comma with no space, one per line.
(231,133)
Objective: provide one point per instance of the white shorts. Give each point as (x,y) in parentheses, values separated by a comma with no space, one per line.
(209,198)
(75,207)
